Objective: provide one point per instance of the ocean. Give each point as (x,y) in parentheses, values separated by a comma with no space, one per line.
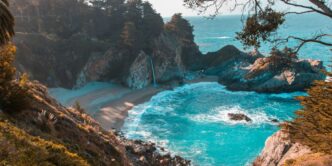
(192,120)
(213,34)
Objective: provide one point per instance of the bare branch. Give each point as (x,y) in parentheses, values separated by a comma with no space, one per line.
(316,39)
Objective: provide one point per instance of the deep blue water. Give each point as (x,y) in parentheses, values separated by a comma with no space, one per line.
(211,35)
(192,120)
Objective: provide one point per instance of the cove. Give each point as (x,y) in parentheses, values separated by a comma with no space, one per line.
(192,121)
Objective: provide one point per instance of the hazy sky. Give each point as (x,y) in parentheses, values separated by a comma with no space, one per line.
(169,7)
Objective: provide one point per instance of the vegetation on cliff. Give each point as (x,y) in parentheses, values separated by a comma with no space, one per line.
(13,92)
(20,148)
(312,126)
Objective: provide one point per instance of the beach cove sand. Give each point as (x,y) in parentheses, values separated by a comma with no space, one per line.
(109,103)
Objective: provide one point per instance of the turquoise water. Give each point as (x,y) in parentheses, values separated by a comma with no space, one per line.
(192,120)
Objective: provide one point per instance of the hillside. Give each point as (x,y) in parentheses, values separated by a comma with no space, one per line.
(49,134)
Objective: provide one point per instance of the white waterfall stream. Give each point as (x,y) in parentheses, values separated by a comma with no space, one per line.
(153,72)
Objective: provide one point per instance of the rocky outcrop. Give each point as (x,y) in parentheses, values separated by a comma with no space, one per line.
(276,73)
(78,133)
(54,61)
(280,151)
(166,60)
(140,72)
(239,117)
(104,67)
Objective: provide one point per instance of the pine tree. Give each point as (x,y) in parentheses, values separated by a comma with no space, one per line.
(152,26)
(182,28)
(313,124)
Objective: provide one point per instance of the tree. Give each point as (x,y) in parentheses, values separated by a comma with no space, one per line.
(152,26)
(313,125)
(134,12)
(181,28)
(7,23)
(13,93)
(263,19)
(129,36)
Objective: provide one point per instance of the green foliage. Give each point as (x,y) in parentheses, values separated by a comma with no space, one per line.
(130,36)
(21,149)
(106,20)
(13,93)
(259,27)
(78,107)
(181,27)
(312,126)
(153,25)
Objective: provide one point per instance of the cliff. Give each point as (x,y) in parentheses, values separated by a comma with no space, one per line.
(49,133)
(166,61)
(52,60)
(275,73)
(280,151)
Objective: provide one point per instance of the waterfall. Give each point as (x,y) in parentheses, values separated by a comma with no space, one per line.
(153,72)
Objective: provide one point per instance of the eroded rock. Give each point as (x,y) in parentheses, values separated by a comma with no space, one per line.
(239,117)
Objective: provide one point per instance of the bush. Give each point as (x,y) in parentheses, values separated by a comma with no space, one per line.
(13,92)
(313,125)
(20,148)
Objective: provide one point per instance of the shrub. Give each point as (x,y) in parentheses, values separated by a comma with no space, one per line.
(313,124)
(13,92)
(19,148)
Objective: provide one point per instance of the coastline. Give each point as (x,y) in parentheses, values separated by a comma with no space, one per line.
(109,106)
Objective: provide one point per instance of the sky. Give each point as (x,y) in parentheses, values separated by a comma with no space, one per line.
(169,7)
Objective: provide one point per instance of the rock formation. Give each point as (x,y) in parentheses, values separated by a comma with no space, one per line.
(280,151)
(253,72)
(239,117)
(167,58)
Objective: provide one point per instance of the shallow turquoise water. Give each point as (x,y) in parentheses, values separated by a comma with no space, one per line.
(192,121)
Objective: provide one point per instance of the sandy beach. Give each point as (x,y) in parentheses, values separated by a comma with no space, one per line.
(109,105)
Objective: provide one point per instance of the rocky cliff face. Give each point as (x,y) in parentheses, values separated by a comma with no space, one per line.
(73,133)
(166,60)
(280,151)
(55,64)
(252,72)
(55,61)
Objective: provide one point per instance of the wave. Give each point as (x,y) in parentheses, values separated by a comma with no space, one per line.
(220,115)
(223,37)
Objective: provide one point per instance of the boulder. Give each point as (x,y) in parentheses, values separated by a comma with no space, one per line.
(279,151)
(103,67)
(239,117)
(140,72)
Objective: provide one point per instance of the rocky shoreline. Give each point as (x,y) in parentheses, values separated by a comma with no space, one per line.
(280,151)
